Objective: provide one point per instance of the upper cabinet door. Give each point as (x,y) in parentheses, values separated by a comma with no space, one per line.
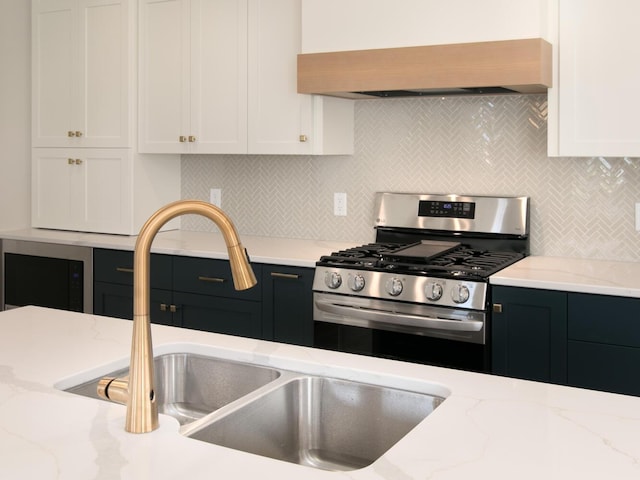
(218,93)
(82,62)
(163,66)
(594,109)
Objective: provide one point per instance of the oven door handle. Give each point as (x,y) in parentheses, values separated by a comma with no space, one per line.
(399,318)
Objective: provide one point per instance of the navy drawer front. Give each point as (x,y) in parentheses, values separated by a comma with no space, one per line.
(604,319)
(211,277)
(604,367)
(116,266)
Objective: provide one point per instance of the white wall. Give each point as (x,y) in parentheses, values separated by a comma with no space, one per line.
(15,114)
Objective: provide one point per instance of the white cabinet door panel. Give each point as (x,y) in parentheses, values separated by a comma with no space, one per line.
(597,104)
(82,68)
(218,89)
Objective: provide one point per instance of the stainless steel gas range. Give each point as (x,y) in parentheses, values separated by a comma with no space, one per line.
(421,292)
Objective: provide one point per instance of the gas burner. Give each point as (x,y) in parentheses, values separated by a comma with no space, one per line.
(460,262)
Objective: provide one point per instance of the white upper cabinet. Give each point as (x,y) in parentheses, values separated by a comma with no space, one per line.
(282,121)
(593,111)
(193,76)
(219,77)
(86,174)
(336,25)
(81,68)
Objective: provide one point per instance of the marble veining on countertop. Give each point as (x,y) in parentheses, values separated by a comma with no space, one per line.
(605,277)
(488,427)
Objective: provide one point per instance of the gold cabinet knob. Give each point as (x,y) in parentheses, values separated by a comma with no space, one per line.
(78,161)
(192,138)
(78,134)
(182,138)
(303,138)
(71,161)
(71,134)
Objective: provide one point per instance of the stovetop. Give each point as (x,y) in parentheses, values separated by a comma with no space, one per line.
(460,262)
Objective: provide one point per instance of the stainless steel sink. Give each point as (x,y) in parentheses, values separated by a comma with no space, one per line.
(320,422)
(190,386)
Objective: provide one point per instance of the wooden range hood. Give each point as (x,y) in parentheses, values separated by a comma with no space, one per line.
(522,66)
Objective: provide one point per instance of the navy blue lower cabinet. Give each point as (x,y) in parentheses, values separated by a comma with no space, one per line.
(198,293)
(529,334)
(287,304)
(604,343)
(113,285)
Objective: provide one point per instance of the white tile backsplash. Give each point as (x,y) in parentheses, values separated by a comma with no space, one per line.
(580,207)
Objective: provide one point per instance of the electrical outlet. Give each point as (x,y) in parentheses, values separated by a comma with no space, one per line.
(215,197)
(638,217)
(340,204)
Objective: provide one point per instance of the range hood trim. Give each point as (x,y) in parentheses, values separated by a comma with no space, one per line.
(520,66)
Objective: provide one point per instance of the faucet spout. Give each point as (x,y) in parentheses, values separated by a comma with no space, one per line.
(138,390)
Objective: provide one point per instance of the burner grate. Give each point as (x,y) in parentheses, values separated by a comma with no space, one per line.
(462,261)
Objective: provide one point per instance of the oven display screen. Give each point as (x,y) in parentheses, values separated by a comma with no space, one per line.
(431,208)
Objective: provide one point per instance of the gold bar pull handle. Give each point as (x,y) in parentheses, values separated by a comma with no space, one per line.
(71,134)
(182,138)
(497,308)
(124,270)
(163,307)
(291,276)
(173,308)
(192,138)
(211,279)
(78,161)
(71,161)
(78,134)
(303,138)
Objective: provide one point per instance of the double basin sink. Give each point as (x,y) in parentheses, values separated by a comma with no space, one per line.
(321,422)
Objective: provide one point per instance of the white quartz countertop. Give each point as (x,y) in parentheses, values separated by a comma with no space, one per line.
(603,277)
(272,250)
(552,273)
(488,427)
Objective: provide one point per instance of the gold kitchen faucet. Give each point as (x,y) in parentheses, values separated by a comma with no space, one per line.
(137,389)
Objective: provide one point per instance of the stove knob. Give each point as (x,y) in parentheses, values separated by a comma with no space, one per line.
(460,293)
(356,282)
(332,280)
(394,286)
(433,291)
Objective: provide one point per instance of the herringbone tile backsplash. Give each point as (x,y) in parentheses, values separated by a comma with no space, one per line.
(580,207)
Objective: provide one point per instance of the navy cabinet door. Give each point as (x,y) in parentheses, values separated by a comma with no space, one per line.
(218,314)
(529,334)
(288,304)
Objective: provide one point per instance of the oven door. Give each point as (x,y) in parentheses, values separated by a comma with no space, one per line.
(403,331)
